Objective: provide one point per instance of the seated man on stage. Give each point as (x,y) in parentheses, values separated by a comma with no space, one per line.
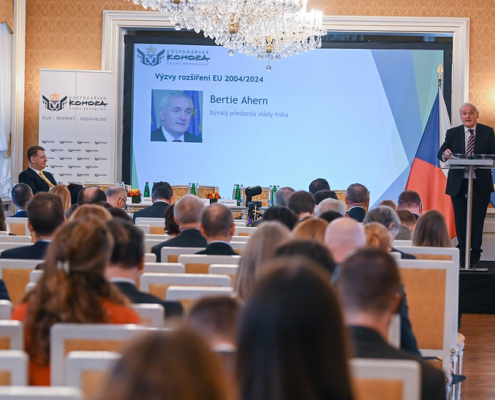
(176,109)
(469,138)
(34,176)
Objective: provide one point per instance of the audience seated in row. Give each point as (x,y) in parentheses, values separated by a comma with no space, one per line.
(411,201)
(21,194)
(161,197)
(357,200)
(431,230)
(302,204)
(330,205)
(217,226)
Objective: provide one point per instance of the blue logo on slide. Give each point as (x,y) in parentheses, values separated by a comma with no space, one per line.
(151,58)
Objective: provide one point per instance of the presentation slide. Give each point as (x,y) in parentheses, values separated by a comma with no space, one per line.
(347,115)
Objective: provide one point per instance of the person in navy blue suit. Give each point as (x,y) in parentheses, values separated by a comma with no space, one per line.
(217,226)
(21,194)
(45,214)
(161,196)
(127,263)
(357,200)
(456,141)
(34,176)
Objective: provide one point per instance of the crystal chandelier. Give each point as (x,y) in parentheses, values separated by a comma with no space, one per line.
(266,29)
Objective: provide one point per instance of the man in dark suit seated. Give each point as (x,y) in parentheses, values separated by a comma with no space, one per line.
(387,216)
(357,200)
(34,176)
(21,194)
(127,263)
(161,196)
(45,214)
(411,201)
(217,226)
(187,214)
(368,289)
(176,109)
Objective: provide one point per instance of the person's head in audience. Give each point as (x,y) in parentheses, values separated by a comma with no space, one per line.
(73,287)
(302,204)
(343,237)
(127,258)
(45,214)
(431,230)
(172,365)
(63,192)
(3,225)
(410,200)
(91,210)
(116,196)
(357,195)
(281,198)
(407,219)
(378,236)
(118,213)
(162,191)
(280,214)
(389,203)
(215,320)
(330,205)
(311,229)
(330,215)
(368,288)
(291,332)
(260,248)
(324,194)
(171,226)
(91,195)
(309,249)
(318,184)
(387,217)
(190,209)
(217,223)
(21,194)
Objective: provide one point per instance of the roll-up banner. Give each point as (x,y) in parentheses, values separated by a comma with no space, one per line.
(77,125)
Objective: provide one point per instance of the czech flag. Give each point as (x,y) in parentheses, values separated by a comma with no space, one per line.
(426,177)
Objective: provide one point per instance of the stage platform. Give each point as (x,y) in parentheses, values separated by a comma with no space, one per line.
(477,290)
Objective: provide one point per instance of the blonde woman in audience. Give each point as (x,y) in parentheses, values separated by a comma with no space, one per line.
(72,289)
(311,229)
(378,236)
(63,192)
(261,247)
(174,365)
(91,210)
(292,342)
(431,230)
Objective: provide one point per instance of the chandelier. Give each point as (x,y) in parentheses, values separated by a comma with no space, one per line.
(266,29)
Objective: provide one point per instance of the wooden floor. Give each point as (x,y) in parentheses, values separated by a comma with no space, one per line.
(479,356)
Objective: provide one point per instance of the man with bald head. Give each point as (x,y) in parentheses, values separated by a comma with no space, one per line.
(91,195)
(343,237)
(116,197)
(187,214)
(217,226)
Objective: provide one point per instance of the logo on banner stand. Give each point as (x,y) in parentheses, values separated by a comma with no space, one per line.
(55,103)
(151,59)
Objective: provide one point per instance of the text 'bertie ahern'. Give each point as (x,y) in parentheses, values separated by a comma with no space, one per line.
(234,100)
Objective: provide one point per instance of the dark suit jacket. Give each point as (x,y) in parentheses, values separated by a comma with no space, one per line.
(4,294)
(172,308)
(20,214)
(158,136)
(404,256)
(36,182)
(455,140)
(358,213)
(35,251)
(156,210)
(368,343)
(186,238)
(218,249)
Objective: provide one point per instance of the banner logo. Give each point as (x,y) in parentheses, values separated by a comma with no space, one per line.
(48,141)
(82,174)
(151,59)
(55,103)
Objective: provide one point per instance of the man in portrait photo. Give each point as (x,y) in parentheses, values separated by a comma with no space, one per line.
(175,112)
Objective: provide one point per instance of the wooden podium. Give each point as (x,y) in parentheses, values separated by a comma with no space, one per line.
(477,161)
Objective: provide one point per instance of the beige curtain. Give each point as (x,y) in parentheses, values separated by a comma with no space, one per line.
(7,13)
